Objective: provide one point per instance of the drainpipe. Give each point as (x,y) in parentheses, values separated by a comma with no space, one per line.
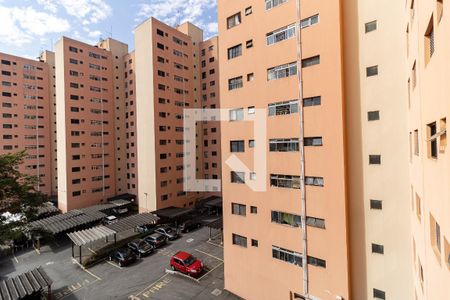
(302,154)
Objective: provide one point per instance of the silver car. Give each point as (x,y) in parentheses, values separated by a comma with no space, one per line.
(170,232)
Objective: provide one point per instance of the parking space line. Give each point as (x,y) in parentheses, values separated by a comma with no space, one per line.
(210,271)
(214,244)
(92,250)
(209,255)
(113,264)
(86,270)
(149,286)
(15,258)
(37,250)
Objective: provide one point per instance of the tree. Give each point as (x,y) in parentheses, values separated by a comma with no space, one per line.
(17,195)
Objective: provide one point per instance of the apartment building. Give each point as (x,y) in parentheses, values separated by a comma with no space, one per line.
(85,124)
(25,115)
(290,241)
(426,28)
(168,77)
(377,150)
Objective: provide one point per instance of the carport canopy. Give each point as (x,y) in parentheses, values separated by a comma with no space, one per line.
(172,212)
(132,222)
(217,224)
(25,285)
(88,236)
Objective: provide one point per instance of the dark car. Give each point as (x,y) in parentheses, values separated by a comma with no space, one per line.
(140,248)
(145,228)
(189,225)
(170,232)
(186,263)
(156,239)
(123,256)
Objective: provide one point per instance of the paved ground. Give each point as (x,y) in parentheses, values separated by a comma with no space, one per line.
(145,279)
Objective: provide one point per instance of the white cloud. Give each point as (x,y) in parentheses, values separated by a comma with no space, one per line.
(49,5)
(95,34)
(20,25)
(175,12)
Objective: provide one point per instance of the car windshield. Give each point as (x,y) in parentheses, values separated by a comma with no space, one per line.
(189,261)
(143,244)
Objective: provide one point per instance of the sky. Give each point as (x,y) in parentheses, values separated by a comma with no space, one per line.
(28,27)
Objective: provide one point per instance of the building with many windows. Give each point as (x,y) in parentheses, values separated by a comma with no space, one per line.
(25,97)
(292,237)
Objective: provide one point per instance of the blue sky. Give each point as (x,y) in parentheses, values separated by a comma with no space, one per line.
(29,26)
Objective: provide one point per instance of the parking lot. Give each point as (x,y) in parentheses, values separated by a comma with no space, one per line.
(145,279)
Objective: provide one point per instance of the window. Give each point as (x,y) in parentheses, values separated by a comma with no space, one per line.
(238,209)
(237,114)
(373,115)
(250,77)
(371,26)
(76,193)
(429,41)
(285,181)
(254,243)
(248,11)
(312,101)
(435,236)
(237,177)
(160,46)
(313,141)
(288,256)
(372,71)
(252,176)
(73,49)
(251,143)
(235,83)
(234,20)
(280,34)
(413,76)
(313,261)
(283,145)
(432,140)
(316,181)
(374,159)
(249,44)
(416,142)
(376,248)
(309,21)
(376,204)
(237,146)
(251,110)
(443,135)
(378,294)
(253,210)
(282,71)
(239,240)
(311,61)
(283,108)
(286,219)
(274,3)
(315,222)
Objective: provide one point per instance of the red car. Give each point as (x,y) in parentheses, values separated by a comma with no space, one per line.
(186,263)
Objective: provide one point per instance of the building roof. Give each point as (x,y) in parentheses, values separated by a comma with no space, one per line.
(213,201)
(24,285)
(84,237)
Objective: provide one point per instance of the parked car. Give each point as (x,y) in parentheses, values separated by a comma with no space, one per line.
(110,220)
(145,228)
(123,256)
(156,239)
(189,225)
(170,232)
(120,210)
(141,248)
(186,263)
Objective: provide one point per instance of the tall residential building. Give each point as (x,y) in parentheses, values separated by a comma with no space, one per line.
(167,79)
(427,29)
(290,241)
(25,115)
(85,111)
(377,150)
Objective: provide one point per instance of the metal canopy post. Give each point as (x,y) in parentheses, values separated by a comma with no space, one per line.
(80,257)
(73,252)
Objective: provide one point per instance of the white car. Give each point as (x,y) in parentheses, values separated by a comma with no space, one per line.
(120,210)
(110,220)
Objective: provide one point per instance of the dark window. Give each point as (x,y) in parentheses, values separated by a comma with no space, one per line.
(238,209)
(371,26)
(371,71)
(313,141)
(374,159)
(253,209)
(315,222)
(432,140)
(160,46)
(376,248)
(376,204)
(317,262)
(379,294)
(159,32)
(237,146)
(254,243)
(312,101)
(249,44)
(373,115)
(234,20)
(310,61)
(237,177)
(239,240)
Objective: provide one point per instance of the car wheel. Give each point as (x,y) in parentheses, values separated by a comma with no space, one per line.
(110,258)
(120,264)
(173,268)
